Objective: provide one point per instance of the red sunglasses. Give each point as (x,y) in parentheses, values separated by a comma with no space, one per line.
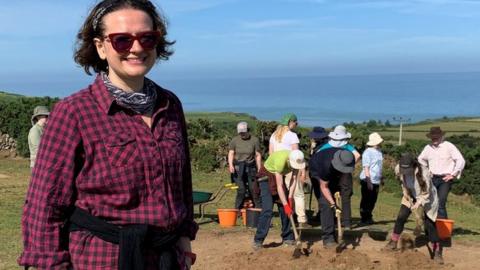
(123,42)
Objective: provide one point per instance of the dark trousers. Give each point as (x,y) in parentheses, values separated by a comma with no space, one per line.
(327,219)
(265,218)
(368,201)
(346,192)
(244,176)
(443,188)
(430,228)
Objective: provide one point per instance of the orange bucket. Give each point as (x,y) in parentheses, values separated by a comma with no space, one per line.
(227,217)
(444,228)
(244,216)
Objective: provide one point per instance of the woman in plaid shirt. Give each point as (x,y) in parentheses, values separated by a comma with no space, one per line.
(112,187)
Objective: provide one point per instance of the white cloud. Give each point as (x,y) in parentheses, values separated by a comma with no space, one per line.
(450,8)
(425,44)
(263,24)
(230,36)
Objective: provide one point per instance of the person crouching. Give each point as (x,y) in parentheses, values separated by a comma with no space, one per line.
(418,194)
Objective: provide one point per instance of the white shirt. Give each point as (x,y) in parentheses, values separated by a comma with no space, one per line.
(287,142)
(442,159)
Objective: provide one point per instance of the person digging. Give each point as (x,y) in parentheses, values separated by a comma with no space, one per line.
(328,167)
(419,194)
(272,188)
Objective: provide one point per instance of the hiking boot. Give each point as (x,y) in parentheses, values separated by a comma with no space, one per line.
(437,257)
(257,246)
(391,245)
(329,244)
(364,223)
(288,243)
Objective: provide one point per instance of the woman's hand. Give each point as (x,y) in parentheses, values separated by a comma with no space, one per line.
(416,205)
(288,210)
(369,183)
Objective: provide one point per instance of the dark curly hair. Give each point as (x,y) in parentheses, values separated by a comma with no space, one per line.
(86,53)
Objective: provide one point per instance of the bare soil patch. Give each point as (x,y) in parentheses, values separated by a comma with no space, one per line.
(232,249)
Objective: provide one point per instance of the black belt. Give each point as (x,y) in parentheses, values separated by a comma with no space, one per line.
(439,175)
(132,239)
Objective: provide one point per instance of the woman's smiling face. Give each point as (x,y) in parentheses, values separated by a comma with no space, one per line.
(136,62)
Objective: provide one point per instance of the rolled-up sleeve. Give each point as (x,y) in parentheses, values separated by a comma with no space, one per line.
(51,193)
(458,159)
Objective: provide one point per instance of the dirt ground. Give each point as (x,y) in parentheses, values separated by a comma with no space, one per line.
(231,249)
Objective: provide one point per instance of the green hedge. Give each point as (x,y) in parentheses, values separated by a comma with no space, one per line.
(15,114)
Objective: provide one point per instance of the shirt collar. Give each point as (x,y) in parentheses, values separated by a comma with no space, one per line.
(437,146)
(100,94)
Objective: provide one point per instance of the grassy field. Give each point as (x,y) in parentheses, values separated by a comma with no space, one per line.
(221,116)
(14,175)
(459,126)
(417,131)
(4,96)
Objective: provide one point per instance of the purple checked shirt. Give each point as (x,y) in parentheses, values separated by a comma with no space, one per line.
(103,158)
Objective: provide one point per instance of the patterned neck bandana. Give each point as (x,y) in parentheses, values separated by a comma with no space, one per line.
(141,102)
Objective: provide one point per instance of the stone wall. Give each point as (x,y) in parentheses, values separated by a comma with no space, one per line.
(8,145)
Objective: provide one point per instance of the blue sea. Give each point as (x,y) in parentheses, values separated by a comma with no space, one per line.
(332,100)
(317,100)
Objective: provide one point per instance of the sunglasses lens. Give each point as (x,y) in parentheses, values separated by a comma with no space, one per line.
(149,40)
(122,43)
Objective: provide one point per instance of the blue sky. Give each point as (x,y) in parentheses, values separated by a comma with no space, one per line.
(245,38)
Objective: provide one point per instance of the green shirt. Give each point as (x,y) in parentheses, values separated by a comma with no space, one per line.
(277,162)
(244,150)
(34,136)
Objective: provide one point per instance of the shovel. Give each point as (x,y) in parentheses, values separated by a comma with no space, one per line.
(298,244)
(341,244)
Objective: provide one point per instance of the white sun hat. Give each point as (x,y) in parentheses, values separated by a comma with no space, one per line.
(339,133)
(374,139)
(296,159)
